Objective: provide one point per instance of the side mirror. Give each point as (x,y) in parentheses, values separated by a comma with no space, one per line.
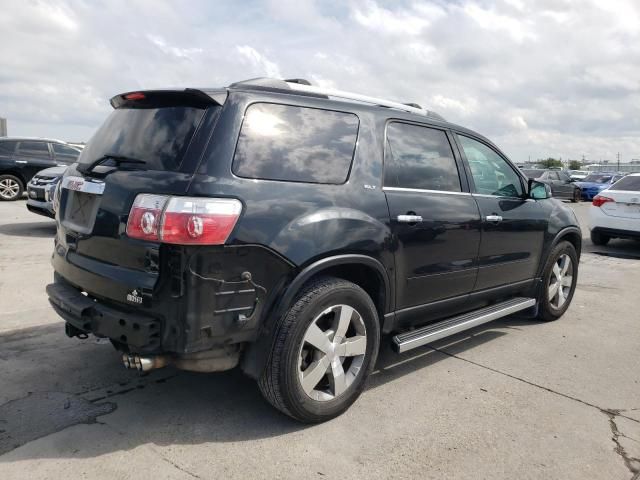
(539,190)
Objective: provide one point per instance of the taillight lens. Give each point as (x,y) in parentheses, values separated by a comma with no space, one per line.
(145,216)
(600,200)
(183,220)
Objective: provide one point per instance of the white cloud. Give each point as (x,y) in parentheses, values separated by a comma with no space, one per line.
(540,78)
(259,62)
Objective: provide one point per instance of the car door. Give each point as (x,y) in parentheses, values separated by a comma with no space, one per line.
(513,226)
(31,156)
(566,184)
(434,219)
(554,182)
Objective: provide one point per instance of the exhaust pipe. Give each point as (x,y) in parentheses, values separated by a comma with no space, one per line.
(144,364)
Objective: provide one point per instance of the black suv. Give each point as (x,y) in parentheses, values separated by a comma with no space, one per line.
(22,158)
(288,229)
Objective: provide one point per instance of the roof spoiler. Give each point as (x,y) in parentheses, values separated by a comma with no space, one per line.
(168,98)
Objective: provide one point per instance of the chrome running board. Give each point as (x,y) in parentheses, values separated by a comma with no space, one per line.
(422,336)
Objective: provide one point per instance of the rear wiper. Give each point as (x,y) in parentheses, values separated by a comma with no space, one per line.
(118,159)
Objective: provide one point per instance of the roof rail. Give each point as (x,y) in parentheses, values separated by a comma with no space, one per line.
(329,92)
(302,86)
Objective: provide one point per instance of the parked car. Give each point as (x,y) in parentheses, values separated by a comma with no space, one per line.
(594,183)
(41,188)
(615,212)
(577,175)
(21,158)
(561,184)
(267,225)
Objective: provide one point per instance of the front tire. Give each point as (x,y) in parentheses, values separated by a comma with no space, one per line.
(559,282)
(599,239)
(324,349)
(11,188)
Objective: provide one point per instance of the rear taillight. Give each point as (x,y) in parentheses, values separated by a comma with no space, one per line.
(183,220)
(145,216)
(600,200)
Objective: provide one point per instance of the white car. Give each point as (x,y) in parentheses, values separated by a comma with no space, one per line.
(615,212)
(578,174)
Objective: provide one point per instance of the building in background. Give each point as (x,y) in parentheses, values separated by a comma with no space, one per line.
(3,127)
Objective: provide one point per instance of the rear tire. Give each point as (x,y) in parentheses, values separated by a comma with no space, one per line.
(599,239)
(559,280)
(577,196)
(305,376)
(11,188)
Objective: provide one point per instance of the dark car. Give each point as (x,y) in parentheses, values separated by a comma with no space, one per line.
(594,183)
(41,188)
(561,184)
(288,230)
(22,158)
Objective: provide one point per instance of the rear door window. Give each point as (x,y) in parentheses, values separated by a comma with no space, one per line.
(629,183)
(295,144)
(419,158)
(34,149)
(157,136)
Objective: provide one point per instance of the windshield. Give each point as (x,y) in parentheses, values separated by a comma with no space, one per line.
(597,178)
(531,173)
(157,136)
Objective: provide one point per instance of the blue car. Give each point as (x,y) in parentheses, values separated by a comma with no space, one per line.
(594,183)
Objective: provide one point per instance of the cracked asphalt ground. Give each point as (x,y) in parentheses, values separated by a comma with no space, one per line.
(514,399)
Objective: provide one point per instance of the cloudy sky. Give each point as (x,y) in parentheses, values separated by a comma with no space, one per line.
(541,78)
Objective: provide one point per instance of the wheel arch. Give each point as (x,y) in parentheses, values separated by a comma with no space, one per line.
(17,174)
(363,270)
(572,234)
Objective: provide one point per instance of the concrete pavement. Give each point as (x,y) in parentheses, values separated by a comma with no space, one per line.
(514,399)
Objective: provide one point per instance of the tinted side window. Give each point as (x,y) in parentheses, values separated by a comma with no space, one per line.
(7,147)
(419,157)
(553,176)
(297,144)
(65,154)
(34,149)
(492,175)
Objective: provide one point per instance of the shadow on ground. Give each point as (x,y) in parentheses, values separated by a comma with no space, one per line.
(64,382)
(30,229)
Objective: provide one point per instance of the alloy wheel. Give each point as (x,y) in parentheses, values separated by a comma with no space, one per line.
(9,188)
(560,281)
(332,352)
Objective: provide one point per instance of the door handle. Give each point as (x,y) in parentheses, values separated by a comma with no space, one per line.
(409,218)
(493,218)
(21,161)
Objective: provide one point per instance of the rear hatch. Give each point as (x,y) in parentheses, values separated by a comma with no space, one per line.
(151,143)
(625,194)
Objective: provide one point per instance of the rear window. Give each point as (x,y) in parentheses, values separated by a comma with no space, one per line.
(630,183)
(295,144)
(597,178)
(533,173)
(158,136)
